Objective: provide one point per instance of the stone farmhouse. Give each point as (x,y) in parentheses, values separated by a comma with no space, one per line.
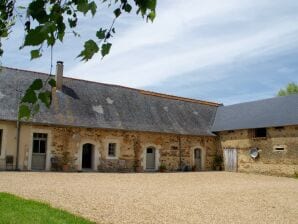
(100,127)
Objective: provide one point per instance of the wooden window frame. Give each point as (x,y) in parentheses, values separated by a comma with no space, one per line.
(114,148)
(40,137)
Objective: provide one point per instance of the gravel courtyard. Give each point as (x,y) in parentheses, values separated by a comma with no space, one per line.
(206,197)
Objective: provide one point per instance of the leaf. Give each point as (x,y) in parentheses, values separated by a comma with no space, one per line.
(29,97)
(35,54)
(27,25)
(36,10)
(83,6)
(92,7)
(36,85)
(105,49)
(90,48)
(35,109)
(35,36)
(24,112)
(151,16)
(45,98)
(101,34)
(52,83)
(117,12)
(151,4)
(72,22)
(127,8)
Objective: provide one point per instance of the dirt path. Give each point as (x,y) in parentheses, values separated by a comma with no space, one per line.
(211,197)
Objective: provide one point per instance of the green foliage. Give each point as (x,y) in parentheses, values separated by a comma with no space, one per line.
(35,95)
(90,48)
(14,209)
(47,21)
(291,88)
(162,167)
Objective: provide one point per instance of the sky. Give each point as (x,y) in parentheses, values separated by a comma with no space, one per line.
(226,51)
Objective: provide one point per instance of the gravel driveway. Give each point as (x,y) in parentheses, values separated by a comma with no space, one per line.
(207,197)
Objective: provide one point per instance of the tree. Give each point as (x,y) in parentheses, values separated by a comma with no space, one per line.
(291,88)
(47,21)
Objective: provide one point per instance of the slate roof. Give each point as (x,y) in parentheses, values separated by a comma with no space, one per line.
(97,105)
(273,112)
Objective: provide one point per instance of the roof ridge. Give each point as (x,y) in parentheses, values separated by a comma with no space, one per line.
(262,100)
(141,91)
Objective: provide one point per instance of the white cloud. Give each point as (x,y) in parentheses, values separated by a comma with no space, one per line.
(147,54)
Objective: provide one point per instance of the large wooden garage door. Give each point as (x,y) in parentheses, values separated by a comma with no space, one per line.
(230,159)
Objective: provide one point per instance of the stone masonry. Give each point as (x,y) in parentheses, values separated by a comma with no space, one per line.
(270,160)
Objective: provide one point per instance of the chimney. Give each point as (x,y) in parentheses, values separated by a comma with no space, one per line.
(59,75)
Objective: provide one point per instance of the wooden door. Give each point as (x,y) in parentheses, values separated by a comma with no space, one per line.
(150,159)
(230,159)
(39,149)
(87,156)
(198,159)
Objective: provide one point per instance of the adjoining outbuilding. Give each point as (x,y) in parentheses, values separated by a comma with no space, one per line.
(260,136)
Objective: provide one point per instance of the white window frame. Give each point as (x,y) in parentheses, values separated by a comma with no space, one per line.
(115,149)
(116,141)
(280,146)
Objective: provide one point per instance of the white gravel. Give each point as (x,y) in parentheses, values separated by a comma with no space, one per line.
(201,197)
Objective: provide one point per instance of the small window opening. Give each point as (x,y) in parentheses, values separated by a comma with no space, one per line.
(260,133)
(174,148)
(279,148)
(149,150)
(279,128)
(112,150)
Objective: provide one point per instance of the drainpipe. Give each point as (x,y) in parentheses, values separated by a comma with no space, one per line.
(18,143)
(180,152)
(18,131)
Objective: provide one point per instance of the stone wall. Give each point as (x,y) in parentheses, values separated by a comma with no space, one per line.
(270,161)
(131,151)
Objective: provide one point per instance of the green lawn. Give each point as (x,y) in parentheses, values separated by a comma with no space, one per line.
(17,210)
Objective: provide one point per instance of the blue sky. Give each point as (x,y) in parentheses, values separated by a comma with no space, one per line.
(226,51)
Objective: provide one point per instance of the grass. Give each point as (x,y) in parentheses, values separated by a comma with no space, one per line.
(16,210)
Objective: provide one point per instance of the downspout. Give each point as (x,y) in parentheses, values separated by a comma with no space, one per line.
(18,143)
(18,132)
(180,152)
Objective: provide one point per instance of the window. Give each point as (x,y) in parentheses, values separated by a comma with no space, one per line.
(174,148)
(279,148)
(39,143)
(1,134)
(112,149)
(260,133)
